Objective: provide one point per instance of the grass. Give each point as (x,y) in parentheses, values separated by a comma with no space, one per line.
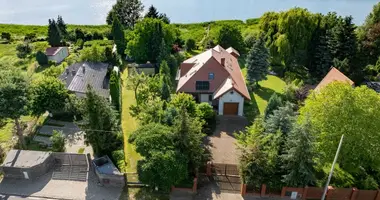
(129,124)
(267,88)
(80,150)
(262,95)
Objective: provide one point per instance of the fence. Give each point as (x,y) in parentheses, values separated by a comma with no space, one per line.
(316,193)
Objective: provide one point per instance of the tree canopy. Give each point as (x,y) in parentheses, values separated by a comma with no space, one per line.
(48,94)
(257,62)
(54,36)
(118,35)
(340,109)
(101,124)
(230,36)
(127,11)
(146,39)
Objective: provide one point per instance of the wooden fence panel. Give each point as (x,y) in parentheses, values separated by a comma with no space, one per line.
(366,194)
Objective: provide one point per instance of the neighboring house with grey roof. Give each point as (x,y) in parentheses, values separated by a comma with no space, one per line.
(79,75)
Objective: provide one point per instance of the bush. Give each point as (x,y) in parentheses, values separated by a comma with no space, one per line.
(6,36)
(206,113)
(41,58)
(93,54)
(23,50)
(99,43)
(190,44)
(58,141)
(79,44)
(119,158)
(31,37)
(97,36)
(55,71)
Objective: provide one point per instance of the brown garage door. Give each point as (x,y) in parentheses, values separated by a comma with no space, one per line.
(230,108)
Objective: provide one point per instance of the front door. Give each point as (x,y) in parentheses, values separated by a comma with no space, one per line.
(230,108)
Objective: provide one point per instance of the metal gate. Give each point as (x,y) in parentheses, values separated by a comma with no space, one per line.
(226,176)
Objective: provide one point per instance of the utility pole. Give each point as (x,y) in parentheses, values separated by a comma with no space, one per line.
(332,168)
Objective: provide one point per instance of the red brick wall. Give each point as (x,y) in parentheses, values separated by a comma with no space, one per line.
(339,194)
(314,193)
(366,194)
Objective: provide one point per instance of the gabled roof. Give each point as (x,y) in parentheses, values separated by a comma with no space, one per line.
(235,80)
(79,75)
(333,75)
(232,50)
(51,51)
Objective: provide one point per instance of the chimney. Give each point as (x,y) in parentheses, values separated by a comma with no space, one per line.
(67,71)
(73,72)
(84,69)
(223,62)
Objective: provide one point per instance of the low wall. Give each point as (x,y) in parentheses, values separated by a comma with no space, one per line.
(316,193)
(192,190)
(111,180)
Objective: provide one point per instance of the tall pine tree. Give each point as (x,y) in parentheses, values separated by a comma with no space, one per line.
(257,62)
(115,90)
(298,158)
(54,37)
(118,36)
(152,12)
(62,27)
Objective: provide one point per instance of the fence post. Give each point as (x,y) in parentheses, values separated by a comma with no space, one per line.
(195,183)
(208,168)
(377,195)
(304,193)
(243,189)
(263,190)
(329,192)
(283,191)
(354,194)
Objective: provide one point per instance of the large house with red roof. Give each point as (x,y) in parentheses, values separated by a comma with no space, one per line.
(333,75)
(214,76)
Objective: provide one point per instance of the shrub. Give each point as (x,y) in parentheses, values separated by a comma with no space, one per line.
(6,36)
(41,58)
(97,36)
(119,158)
(93,54)
(79,44)
(206,112)
(190,44)
(23,50)
(30,37)
(58,141)
(55,71)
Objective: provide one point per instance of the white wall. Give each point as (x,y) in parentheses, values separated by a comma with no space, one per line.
(231,98)
(60,56)
(205,98)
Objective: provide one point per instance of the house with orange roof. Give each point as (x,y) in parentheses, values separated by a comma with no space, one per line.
(215,77)
(333,75)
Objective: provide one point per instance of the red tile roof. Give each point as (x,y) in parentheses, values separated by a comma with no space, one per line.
(235,79)
(333,75)
(51,51)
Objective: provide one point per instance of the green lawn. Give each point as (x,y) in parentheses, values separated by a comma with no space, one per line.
(268,87)
(129,124)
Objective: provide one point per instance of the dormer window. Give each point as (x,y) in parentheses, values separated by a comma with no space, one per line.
(210,76)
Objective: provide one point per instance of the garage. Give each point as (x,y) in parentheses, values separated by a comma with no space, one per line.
(230,108)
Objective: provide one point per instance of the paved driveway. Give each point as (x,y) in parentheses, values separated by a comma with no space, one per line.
(222,142)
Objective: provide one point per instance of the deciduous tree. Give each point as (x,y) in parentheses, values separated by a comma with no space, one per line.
(128,12)
(13,99)
(48,94)
(340,109)
(230,36)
